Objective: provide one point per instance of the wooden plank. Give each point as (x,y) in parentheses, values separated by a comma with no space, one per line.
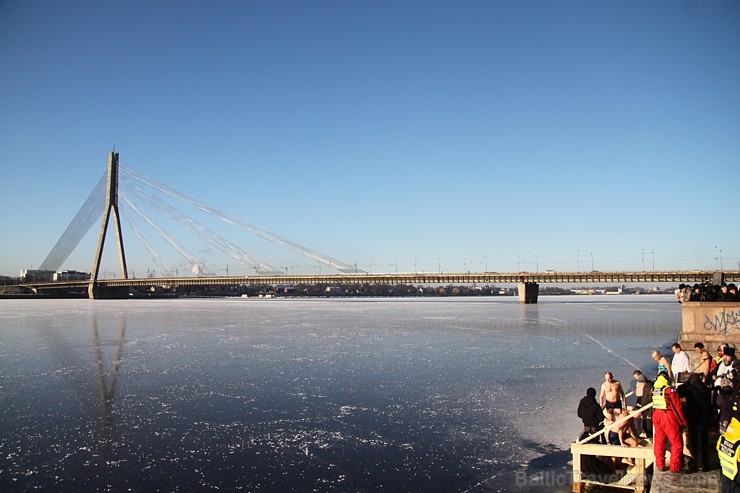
(578,485)
(612,450)
(640,476)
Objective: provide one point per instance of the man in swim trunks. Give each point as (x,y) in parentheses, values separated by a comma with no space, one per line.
(612,397)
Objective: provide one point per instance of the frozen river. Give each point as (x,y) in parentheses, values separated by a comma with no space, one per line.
(416,395)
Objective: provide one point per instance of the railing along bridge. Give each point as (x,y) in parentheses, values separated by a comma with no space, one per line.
(525,278)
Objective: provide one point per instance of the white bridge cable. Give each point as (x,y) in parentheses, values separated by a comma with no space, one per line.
(90,211)
(152,253)
(291,245)
(204,233)
(198,266)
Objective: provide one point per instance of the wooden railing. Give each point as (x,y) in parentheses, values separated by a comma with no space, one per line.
(643,457)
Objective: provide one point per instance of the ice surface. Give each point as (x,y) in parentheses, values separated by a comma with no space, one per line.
(305,395)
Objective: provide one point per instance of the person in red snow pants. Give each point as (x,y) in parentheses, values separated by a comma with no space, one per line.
(668,418)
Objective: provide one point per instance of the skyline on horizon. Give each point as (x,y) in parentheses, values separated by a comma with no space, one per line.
(394,136)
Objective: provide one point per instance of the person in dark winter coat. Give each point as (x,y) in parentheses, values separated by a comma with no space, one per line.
(698,411)
(590,413)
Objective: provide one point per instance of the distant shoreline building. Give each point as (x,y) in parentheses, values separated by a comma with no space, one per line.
(71,275)
(31,275)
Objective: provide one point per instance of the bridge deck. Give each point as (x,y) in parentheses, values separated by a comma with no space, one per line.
(695,276)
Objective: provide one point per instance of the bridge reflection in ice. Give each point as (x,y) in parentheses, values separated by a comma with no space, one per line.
(58,405)
(302,395)
(107,382)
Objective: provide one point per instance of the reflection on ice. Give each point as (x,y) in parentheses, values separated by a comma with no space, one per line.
(106,387)
(304,395)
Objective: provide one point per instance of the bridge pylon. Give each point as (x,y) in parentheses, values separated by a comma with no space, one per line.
(111,205)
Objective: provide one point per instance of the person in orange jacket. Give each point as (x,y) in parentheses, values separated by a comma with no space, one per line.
(668,418)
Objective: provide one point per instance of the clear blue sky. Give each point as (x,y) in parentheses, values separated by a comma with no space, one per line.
(452,135)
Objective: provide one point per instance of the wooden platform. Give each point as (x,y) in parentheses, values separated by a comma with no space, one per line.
(634,480)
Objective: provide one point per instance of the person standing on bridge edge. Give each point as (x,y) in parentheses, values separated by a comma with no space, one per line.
(683,293)
(668,418)
(732,289)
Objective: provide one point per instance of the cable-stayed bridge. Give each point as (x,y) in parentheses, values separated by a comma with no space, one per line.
(141,192)
(140,189)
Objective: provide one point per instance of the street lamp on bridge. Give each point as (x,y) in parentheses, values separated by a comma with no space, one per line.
(716,256)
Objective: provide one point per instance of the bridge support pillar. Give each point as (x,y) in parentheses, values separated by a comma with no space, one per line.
(718,278)
(97,292)
(111,205)
(528,292)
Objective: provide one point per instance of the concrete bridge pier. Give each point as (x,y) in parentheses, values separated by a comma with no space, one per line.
(709,322)
(97,292)
(528,292)
(718,278)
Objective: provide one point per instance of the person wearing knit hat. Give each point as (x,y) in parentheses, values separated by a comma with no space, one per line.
(732,289)
(668,418)
(727,380)
(727,368)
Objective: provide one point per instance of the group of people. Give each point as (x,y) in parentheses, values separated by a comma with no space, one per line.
(707,292)
(687,404)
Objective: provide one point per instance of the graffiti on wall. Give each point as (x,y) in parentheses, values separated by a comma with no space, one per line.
(724,321)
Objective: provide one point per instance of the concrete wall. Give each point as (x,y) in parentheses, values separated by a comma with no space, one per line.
(710,323)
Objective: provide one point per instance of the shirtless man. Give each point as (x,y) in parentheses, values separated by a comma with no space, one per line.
(623,434)
(705,361)
(612,397)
